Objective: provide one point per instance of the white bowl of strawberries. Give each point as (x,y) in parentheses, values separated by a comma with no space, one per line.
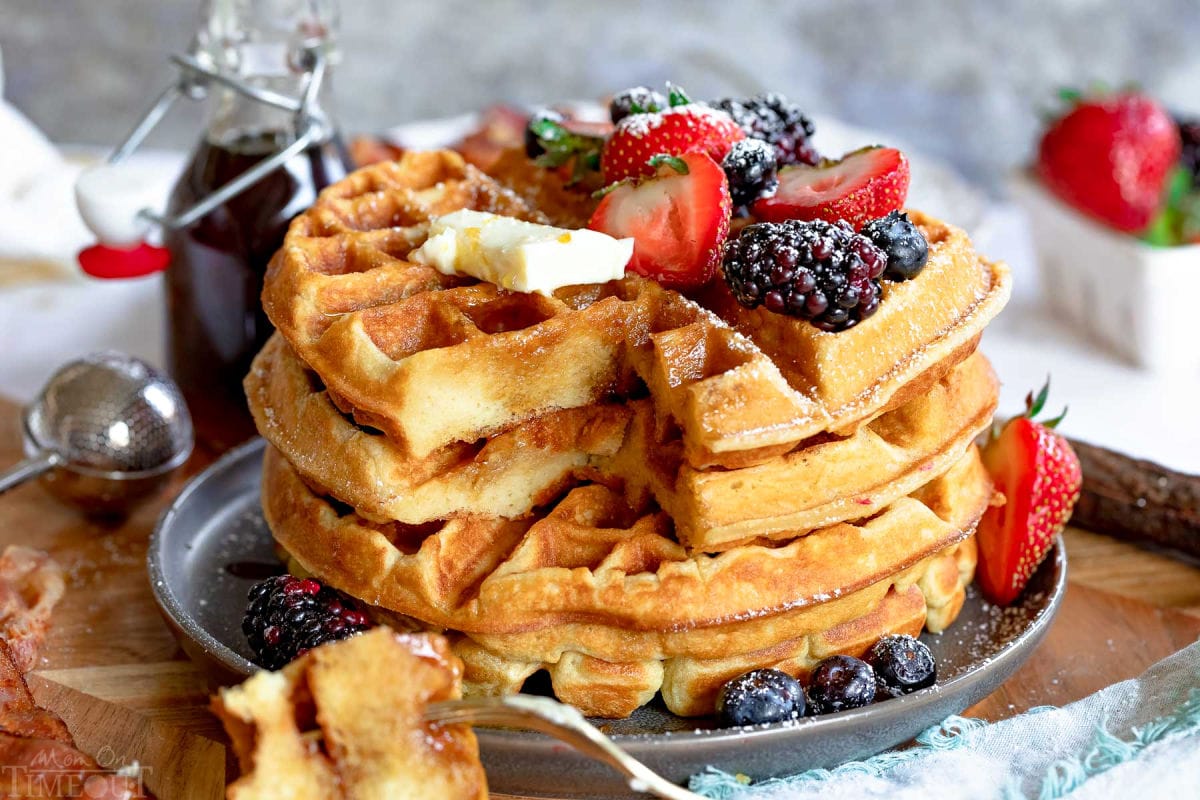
(1114,205)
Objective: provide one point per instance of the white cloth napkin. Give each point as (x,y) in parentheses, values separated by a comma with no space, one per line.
(38,220)
(1137,738)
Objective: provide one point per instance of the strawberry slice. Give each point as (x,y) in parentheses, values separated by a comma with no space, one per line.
(862,186)
(677,130)
(1110,157)
(1039,475)
(678,219)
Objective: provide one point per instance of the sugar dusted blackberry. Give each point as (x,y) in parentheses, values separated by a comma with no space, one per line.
(839,683)
(287,616)
(902,663)
(760,696)
(638,100)
(774,120)
(751,169)
(822,272)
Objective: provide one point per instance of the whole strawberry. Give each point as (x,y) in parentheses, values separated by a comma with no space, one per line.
(682,127)
(1110,157)
(1039,475)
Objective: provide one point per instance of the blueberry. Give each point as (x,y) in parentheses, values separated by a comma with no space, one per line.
(841,682)
(883,691)
(902,242)
(903,663)
(760,696)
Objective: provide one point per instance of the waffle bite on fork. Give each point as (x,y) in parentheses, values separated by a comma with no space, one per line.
(639,490)
(308,732)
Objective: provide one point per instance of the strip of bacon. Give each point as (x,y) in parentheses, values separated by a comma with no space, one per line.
(38,756)
(31,584)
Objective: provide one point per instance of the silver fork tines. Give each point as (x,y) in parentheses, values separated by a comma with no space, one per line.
(563,722)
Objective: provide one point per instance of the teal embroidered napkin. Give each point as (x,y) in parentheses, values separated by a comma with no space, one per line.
(1138,738)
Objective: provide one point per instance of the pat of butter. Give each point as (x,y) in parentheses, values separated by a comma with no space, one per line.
(521,256)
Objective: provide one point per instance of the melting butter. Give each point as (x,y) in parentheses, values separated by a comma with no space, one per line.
(521,256)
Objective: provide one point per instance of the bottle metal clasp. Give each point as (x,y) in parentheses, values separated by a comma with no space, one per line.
(194,79)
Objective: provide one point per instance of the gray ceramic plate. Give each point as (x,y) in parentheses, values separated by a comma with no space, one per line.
(212,544)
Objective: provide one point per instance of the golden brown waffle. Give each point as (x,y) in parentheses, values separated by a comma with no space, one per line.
(504,476)
(432,360)
(345,721)
(610,580)
(921,325)
(928,595)
(543,189)
(826,480)
(513,472)
(610,671)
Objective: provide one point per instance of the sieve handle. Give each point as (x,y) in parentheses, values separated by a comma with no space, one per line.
(28,469)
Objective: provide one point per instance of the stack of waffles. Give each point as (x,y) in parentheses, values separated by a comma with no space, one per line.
(635,491)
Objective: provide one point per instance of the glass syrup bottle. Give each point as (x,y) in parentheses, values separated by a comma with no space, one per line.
(215,321)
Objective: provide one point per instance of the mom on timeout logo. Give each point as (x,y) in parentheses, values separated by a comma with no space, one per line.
(57,771)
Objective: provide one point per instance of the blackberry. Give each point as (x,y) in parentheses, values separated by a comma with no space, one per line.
(638,100)
(287,616)
(771,118)
(751,168)
(902,663)
(902,242)
(534,130)
(1189,157)
(760,696)
(822,272)
(839,683)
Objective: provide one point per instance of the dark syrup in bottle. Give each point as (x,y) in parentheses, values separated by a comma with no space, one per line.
(215,321)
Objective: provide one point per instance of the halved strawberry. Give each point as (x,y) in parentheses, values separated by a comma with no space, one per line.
(1039,475)
(678,219)
(677,130)
(862,186)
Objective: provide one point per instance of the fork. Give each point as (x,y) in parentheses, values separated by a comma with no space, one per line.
(562,722)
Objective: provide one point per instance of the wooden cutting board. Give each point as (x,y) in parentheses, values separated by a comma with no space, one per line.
(113,672)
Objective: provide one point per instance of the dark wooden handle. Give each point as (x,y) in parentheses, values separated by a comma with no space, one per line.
(1137,500)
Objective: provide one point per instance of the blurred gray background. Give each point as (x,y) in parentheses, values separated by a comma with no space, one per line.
(961,79)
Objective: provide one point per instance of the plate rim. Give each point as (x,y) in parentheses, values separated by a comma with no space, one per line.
(164,596)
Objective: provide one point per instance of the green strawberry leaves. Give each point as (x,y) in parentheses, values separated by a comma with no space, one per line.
(676,96)
(1179,221)
(1035,403)
(562,145)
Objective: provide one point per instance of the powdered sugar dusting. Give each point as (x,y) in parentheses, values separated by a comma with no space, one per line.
(640,125)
